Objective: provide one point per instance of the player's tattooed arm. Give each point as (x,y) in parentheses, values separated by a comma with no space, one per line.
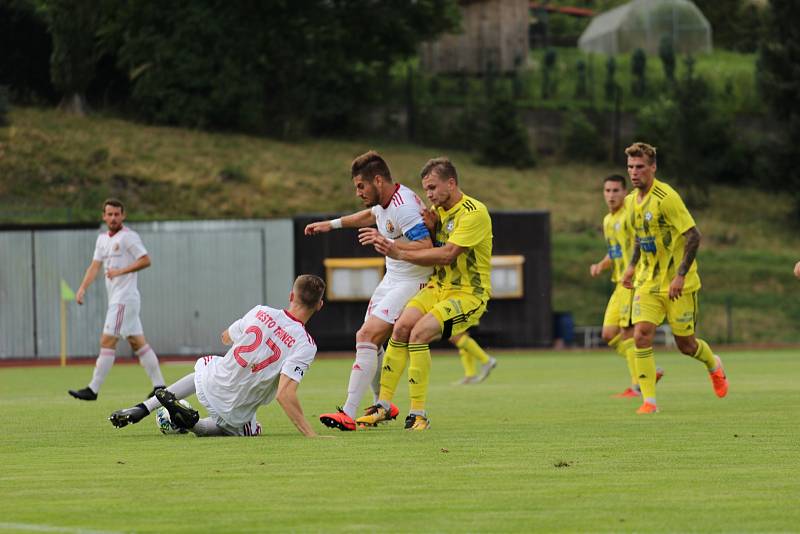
(692,236)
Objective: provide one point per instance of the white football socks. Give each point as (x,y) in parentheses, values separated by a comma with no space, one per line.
(104,363)
(181,389)
(206,427)
(149,361)
(360,376)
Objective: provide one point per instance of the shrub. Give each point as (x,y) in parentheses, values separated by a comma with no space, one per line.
(638,69)
(666,51)
(610,84)
(548,74)
(505,140)
(580,140)
(4,106)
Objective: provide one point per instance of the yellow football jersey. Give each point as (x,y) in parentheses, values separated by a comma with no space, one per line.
(619,239)
(659,221)
(468,225)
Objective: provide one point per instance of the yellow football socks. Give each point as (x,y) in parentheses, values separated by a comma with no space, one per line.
(471,346)
(469,350)
(646,373)
(394,363)
(468,362)
(628,347)
(705,355)
(419,372)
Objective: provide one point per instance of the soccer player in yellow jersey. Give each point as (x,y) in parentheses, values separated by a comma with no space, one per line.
(451,303)
(471,353)
(617,326)
(664,272)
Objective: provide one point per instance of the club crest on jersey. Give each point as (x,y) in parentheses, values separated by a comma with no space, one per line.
(450,224)
(116,247)
(616,226)
(389,227)
(648,216)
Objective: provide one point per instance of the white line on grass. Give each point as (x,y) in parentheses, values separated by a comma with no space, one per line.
(33,527)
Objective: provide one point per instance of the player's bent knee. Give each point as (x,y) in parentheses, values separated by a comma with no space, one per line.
(643,342)
(687,345)
(402,330)
(426,330)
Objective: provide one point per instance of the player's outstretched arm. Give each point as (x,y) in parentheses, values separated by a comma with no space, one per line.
(354,220)
(287,398)
(88,278)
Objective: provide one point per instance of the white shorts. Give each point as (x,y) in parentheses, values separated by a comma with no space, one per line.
(122,320)
(391,297)
(251,428)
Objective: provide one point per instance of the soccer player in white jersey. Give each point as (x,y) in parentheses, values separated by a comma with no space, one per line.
(397,212)
(121,252)
(269,355)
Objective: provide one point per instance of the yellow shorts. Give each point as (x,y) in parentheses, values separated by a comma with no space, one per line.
(618,311)
(681,314)
(456,311)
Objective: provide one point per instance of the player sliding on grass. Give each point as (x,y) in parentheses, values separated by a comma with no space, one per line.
(451,303)
(664,271)
(122,253)
(617,327)
(396,210)
(270,353)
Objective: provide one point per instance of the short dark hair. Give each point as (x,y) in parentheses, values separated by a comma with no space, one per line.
(617,178)
(369,165)
(441,167)
(641,150)
(309,290)
(113,202)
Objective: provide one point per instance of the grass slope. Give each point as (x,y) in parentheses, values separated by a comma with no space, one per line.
(535,448)
(58,168)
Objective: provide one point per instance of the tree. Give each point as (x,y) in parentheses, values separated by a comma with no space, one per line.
(73,27)
(610,85)
(779,62)
(737,24)
(505,140)
(639,71)
(548,82)
(688,128)
(666,51)
(280,67)
(580,85)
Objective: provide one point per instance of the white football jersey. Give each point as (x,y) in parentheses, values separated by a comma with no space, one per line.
(118,251)
(266,343)
(400,219)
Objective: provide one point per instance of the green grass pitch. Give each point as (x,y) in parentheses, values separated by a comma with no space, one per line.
(540,446)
